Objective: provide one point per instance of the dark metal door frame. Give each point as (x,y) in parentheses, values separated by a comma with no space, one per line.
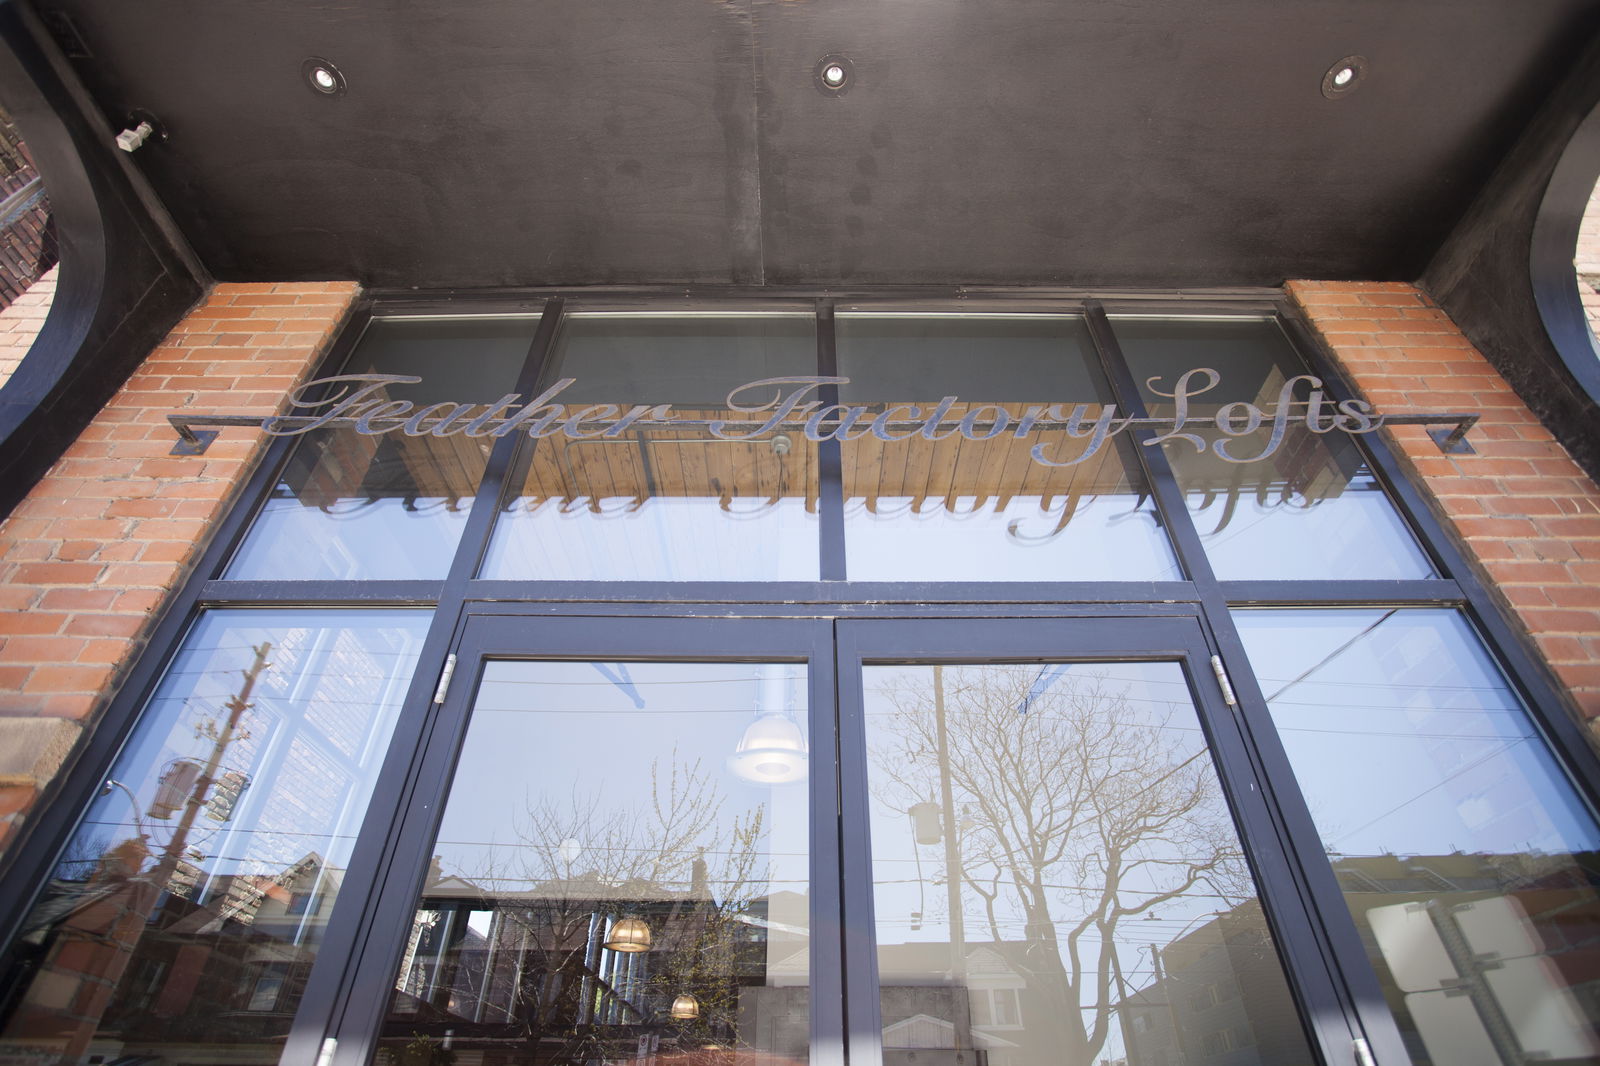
(365,993)
(1324,1007)
(845,1022)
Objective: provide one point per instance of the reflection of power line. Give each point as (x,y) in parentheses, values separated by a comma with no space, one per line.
(642,684)
(620,851)
(1335,653)
(1403,735)
(1070,888)
(1474,764)
(1431,686)
(1341,703)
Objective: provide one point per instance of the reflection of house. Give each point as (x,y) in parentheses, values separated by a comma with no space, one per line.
(225,947)
(935,1014)
(530,969)
(1482,951)
(1217,998)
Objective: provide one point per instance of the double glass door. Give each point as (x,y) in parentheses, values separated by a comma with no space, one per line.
(973,842)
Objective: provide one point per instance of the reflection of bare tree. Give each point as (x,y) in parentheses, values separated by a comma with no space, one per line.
(1071,811)
(675,859)
(654,844)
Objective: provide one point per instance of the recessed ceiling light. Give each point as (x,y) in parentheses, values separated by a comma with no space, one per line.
(323,77)
(1343,77)
(833,74)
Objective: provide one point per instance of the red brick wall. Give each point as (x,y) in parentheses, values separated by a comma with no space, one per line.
(1525,512)
(88,559)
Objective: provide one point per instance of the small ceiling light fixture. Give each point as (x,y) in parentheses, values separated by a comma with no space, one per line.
(1343,77)
(834,75)
(629,934)
(324,78)
(685,1008)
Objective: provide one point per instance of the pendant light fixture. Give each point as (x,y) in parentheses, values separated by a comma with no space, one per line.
(629,934)
(685,1008)
(773,749)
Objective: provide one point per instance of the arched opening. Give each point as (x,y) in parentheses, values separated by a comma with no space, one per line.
(28,249)
(1564,264)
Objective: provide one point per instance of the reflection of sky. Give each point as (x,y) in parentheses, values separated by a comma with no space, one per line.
(357,540)
(1404,737)
(310,743)
(666,539)
(1110,537)
(1355,534)
(568,738)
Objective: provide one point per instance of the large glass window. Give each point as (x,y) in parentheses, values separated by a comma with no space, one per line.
(979,489)
(182,919)
(1309,507)
(652,502)
(364,507)
(1468,861)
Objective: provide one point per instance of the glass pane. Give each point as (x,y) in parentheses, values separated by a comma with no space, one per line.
(1311,509)
(1056,875)
(970,502)
(355,507)
(182,919)
(1466,858)
(621,871)
(667,503)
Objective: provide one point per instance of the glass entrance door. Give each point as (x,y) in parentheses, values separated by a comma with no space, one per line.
(630,853)
(900,842)
(1057,873)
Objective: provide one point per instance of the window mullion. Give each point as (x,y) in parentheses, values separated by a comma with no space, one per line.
(830,487)
(510,453)
(1153,462)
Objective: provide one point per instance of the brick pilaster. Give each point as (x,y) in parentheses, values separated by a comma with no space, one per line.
(92,554)
(1525,512)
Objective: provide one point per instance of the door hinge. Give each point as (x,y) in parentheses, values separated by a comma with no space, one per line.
(1364,1053)
(444,678)
(1223,682)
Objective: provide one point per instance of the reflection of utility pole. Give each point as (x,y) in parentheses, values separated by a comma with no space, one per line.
(1129,1045)
(1172,1012)
(952,851)
(144,892)
(952,861)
